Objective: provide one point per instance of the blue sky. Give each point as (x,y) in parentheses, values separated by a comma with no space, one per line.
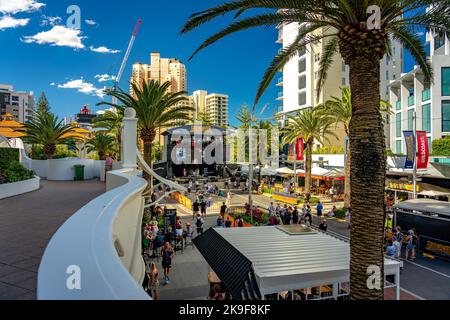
(233,66)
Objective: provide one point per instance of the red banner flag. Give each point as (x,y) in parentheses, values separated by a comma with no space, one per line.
(300,144)
(423,150)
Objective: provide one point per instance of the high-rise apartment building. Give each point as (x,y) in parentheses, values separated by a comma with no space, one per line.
(411,94)
(162,70)
(19,104)
(300,75)
(217,109)
(214,106)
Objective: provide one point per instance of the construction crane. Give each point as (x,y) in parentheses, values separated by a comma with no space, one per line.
(125,58)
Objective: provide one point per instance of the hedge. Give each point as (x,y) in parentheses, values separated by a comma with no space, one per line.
(8,155)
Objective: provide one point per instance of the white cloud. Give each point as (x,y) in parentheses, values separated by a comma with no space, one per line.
(83,87)
(50,21)
(105,77)
(103,49)
(16,6)
(58,36)
(53,84)
(90,22)
(10,22)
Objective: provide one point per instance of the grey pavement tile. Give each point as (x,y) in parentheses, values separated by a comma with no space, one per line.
(27,296)
(10,292)
(183,293)
(18,276)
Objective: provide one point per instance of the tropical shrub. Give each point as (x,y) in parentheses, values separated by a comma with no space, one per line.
(8,155)
(441,147)
(14,172)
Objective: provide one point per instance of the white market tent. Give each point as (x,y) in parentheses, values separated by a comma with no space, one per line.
(282,261)
(285,171)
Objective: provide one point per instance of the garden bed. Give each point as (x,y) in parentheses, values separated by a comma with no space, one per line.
(8,190)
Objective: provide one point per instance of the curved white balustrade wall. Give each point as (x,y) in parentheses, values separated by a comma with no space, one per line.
(102,241)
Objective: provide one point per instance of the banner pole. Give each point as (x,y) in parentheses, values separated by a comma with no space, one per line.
(415,156)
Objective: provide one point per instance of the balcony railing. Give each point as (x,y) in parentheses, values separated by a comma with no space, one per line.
(280,96)
(426,95)
(280,82)
(411,101)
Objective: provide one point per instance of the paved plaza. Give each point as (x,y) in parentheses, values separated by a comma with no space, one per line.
(27,223)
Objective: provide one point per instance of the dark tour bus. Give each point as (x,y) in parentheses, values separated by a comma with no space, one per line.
(431,220)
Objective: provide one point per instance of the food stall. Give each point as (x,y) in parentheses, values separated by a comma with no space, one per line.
(244,260)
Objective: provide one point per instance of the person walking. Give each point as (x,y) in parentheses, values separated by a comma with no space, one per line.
(167,255)
(199,224)
(108,164)
(271,209)
(223,210)
(348,218)
(196,209)
(295,216)
(410,253)
(203,206)
(154,282)
(319,210)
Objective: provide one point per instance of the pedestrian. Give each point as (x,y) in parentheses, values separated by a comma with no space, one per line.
(348,218)
(295,216)
(190,186)
(220,222)
(271,209)
(308,216)
(323,225)
(199,224)
(196,209)
(288,216)
(154,282)
(167,255)
(410,253)
(319,209)
(240,222)
(228,223)
(390,249)
(332,193)
(108,164)
(223,210)
(203,206)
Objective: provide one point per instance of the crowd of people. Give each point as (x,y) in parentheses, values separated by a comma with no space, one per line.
(395,240)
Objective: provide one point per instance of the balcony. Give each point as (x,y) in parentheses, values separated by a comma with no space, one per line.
(426,95)
(398,105)
(280,37)
(280,82)
(280,96)
(411,101)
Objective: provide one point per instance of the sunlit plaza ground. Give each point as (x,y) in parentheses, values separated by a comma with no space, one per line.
(29,221)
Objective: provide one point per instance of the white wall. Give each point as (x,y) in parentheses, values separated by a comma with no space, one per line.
(17,188)
(63,169)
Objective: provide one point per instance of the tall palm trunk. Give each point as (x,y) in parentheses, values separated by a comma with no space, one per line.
(49,150)
(347,192)
(367,176)
(308,166)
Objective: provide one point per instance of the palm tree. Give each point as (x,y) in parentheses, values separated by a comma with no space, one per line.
(103,144)
(343,27)
(205,118)
(45,129)
(309,125)
(111,123)
(340,110)
(155,108)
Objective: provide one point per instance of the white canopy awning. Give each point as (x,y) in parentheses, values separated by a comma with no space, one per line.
(426,205)
(285,171)
(284,262)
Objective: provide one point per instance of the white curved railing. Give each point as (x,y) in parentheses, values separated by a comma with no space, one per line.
(174,187)
(100,246)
